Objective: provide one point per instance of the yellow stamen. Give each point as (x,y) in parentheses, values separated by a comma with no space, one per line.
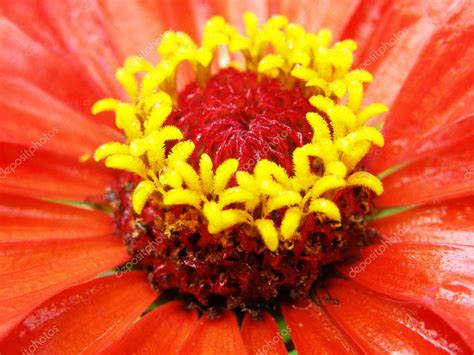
(105,105)
(182,197)
(269,233)
(141,194)
(291,222)
(325,207)
(223,175)
(363,178)
(276,49)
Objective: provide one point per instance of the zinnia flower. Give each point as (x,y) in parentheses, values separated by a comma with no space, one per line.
(246,204)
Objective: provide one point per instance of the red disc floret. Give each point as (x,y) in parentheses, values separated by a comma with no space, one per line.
(234,268)
(236,115)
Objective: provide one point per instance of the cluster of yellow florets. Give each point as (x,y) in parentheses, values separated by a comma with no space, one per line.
(277,49)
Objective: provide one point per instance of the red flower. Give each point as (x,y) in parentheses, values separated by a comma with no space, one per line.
(413,291)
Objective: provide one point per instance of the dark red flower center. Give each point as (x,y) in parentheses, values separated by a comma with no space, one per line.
(237,116)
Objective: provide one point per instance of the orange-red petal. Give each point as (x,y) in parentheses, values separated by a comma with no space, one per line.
(215,336)
(379,325)
(31,271)
(136,26)
(438,91)
(162,331)
(30,171)
(54,70)
(31,115)
(84,318)
(314,332)
(24,218)
(391,35)
(446,138)
(262,335)
(84,31)
(364,23)
(27,16)
(438,276)
(314,15)
(443,175)
(450,222)
(233,10)
(179,15)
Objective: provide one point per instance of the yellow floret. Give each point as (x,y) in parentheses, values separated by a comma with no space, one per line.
(224,173)
(141,194)
(182,197)
(363,178)
(276,49)
(325,207)
(268,232)
(206,173)
(291,222)
(111,148)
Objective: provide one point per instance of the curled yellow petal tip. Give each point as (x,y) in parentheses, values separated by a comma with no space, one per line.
(104,105)
(268,232)
(363,178)
(141,194)
(291,222)
(325,207)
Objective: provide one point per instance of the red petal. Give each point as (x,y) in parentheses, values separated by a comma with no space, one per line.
(263,335)
(314,15)
(446,138)
(23,105)
(28,16)
(437,92)
(233,10)
(32,271)
(379,325)
(313,332)
(84,318)
(365,21)
(83,30)
(31,171)
(437,276)
(57,72)
(136,26)
(215,336)
(23,218)
(451,222)
(179,15)
(101,34)
(161,331)
(443,175)
(391,35)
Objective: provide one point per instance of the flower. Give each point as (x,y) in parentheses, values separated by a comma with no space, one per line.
(410,289)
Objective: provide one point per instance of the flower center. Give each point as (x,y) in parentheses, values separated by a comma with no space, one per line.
(241,187)
(236,116)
